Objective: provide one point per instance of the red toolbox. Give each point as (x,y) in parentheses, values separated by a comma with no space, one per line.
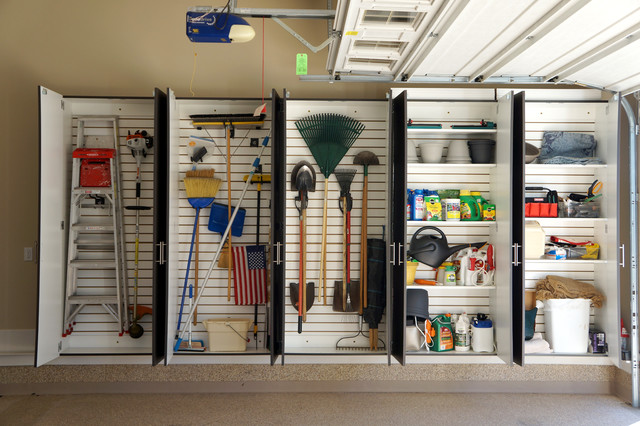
(95,166)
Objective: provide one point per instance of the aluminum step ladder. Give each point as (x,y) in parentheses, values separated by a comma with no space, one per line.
(96,234)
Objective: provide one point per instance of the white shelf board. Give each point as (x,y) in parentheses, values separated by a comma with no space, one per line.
(557,221)
(453,287)
(451,131)
(553,167)
(464,223)
(422,167)
(562,261)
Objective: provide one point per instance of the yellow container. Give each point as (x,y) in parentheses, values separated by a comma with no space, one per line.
(411,272)
(227,334)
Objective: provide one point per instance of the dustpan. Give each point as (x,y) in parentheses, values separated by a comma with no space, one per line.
(219,219)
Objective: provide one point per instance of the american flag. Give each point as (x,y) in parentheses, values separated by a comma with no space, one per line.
(250,274)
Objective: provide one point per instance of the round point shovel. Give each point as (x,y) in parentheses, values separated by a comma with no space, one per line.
(303,180)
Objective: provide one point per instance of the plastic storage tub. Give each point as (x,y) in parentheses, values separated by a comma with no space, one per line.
(572,208)
(566,324)
(534,239)
(227,334)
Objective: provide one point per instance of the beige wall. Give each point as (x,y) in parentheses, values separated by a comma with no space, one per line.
(119,47)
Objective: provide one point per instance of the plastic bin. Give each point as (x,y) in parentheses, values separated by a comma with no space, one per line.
(227,334)
(566,324)
(572,208)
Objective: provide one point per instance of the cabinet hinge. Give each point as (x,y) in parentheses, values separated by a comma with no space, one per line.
(637,129)
(62,105)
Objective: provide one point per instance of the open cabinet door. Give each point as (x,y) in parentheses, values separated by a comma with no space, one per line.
(54,206)
(172,151)
(160,230)
(517,226)
(278,193)
(506,183)
(397,235)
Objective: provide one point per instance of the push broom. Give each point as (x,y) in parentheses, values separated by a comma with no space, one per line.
(329,137)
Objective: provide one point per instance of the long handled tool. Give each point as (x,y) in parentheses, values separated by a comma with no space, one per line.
(366,159)
(201,192)
(346,286)
(260,179)
(216,256)
(329,137)
(303,180)
(138,143)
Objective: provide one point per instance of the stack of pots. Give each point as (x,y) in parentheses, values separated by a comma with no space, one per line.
(482,150)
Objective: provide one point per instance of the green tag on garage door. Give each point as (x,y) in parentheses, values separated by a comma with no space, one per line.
(301,64)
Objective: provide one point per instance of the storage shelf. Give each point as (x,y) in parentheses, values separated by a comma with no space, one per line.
(451,131)
(557,221)
(453,287)
(464,223)
(561,261)
(554,167)
(423,167)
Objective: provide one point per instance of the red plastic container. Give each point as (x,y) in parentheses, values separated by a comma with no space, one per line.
(95,166)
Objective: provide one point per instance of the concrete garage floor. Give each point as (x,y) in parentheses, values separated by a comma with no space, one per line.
(317,409)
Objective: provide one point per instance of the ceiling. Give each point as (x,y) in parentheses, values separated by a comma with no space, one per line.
(594,43)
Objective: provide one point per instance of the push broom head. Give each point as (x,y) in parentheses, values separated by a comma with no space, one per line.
(329,137)
(203,173)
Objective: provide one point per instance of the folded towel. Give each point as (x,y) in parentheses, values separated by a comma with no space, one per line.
(568,148)
(555,287)
(537,345)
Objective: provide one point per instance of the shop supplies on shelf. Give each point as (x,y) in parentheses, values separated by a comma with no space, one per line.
(541,206)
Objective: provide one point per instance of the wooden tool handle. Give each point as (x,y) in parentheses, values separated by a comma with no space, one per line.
(303,266)
(230,259)
(344,253)
(363,247)
(323,253)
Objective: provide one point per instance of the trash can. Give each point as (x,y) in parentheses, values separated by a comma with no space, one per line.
(566,324)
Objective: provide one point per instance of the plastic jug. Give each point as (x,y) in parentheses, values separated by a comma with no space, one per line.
(417,208)
(463,337)
(432,206)
(469,207)
(477,195)
(481,334)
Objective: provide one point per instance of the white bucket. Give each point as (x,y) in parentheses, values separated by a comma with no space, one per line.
(566,324)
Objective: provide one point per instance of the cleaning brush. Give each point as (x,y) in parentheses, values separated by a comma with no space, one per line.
(203,173)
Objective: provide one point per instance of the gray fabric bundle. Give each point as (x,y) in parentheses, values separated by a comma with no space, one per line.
(568,148)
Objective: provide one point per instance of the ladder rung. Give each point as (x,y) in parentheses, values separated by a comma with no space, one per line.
(107,190)
(93,264)
(91,227)
(94,243)
(92,300)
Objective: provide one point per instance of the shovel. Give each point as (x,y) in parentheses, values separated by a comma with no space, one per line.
(303,180)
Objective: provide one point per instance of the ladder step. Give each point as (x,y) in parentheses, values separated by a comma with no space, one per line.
(93,300)
(91,227)
(105,190)
(94,243)
(93,264)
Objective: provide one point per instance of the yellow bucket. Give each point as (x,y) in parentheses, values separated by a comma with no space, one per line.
(411,272)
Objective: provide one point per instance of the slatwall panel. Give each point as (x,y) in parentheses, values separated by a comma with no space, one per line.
(214,303)
(95,328)
(474,177)
(569,117)
(323,326)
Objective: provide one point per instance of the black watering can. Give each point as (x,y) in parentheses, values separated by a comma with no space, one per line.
(433,249)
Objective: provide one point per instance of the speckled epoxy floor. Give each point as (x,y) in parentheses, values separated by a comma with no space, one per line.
(316,409)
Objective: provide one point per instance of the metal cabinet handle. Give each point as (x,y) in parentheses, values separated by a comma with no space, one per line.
(622,255)
(516,259)
(277,259)
(161,247)
(400,257)
(393,252)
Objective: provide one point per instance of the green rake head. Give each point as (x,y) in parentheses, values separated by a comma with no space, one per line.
(329,136)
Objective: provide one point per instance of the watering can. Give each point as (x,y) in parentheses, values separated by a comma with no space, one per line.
(432,249)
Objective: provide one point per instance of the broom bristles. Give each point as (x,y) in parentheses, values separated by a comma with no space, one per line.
(199,187)
(204,173)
